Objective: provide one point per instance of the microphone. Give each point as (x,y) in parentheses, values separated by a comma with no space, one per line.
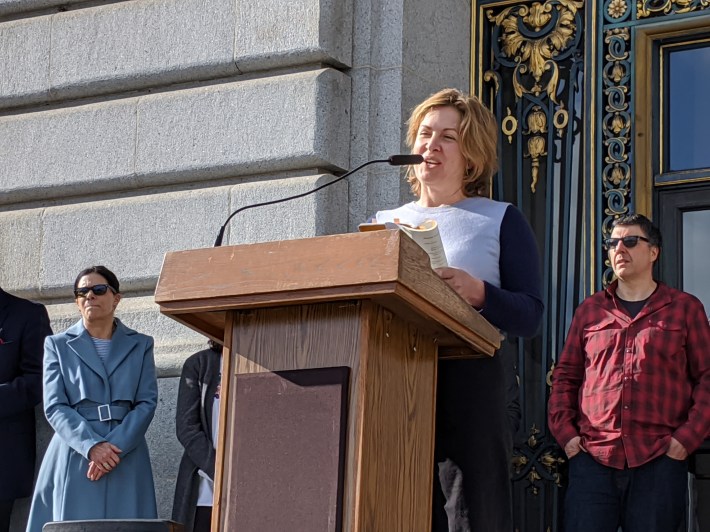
(403,160)
(393,160)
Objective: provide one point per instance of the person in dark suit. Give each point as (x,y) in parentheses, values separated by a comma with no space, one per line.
(23,328)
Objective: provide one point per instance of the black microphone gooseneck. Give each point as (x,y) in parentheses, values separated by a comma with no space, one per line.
(394,160)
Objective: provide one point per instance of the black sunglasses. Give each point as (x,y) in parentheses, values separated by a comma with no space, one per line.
(97,289)
(628,241)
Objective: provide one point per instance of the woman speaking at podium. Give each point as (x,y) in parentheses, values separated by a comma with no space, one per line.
(494,266)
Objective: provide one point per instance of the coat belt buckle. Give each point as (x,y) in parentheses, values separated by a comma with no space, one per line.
(105,415)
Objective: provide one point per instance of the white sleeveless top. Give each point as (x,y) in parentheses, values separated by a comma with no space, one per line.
(470,232)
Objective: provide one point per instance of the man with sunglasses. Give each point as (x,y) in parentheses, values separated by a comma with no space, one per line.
(23,328)
(630,393)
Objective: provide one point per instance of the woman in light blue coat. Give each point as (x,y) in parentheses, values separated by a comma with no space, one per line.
(100,394)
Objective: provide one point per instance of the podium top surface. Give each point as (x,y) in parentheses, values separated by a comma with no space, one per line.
(197,287)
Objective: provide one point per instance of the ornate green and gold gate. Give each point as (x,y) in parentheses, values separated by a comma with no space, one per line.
(572,85)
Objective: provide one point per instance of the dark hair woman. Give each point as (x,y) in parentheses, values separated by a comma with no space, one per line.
(100,394)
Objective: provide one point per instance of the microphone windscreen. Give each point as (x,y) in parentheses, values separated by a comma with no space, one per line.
(401,160)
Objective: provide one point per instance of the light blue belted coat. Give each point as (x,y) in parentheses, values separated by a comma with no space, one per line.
(77,387)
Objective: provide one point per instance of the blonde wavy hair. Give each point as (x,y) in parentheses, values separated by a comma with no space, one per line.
(478,139)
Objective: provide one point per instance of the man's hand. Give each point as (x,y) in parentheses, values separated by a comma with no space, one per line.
(676,451)
(574,447)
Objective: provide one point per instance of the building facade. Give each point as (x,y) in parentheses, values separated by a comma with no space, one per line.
(601,113)
(132,128)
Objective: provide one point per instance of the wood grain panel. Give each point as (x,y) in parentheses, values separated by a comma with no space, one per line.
(386,265)
(260,268)
(367,301)
(224,434)
(397,447)
(390,429)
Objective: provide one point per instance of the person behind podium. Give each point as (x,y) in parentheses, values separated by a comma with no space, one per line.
(494,266)
(23,328)
(196,422)
(100,394)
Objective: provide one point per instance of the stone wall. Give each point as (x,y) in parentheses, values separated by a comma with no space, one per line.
(132,128)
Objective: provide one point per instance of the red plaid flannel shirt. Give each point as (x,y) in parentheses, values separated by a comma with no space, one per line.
(626,386)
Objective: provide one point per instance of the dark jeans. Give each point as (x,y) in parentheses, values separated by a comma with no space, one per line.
(649,498)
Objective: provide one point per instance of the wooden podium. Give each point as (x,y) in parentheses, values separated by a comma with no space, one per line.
(329,376)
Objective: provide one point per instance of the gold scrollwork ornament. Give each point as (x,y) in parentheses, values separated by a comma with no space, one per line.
(534,477)
(646,8)
(489,77)
(560,120)
(532,439)
(535,55)
(509,125)
(536,149)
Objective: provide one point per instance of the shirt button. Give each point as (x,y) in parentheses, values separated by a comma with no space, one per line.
(626,407)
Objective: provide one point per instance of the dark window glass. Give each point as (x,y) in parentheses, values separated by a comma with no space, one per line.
(696,255)
(688,109)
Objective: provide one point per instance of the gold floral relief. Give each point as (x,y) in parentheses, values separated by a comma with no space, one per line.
(550,27)
(617,8)
(536,149)
(537,121)
(537,127)
(618,175)
(540,460)
(647,8)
